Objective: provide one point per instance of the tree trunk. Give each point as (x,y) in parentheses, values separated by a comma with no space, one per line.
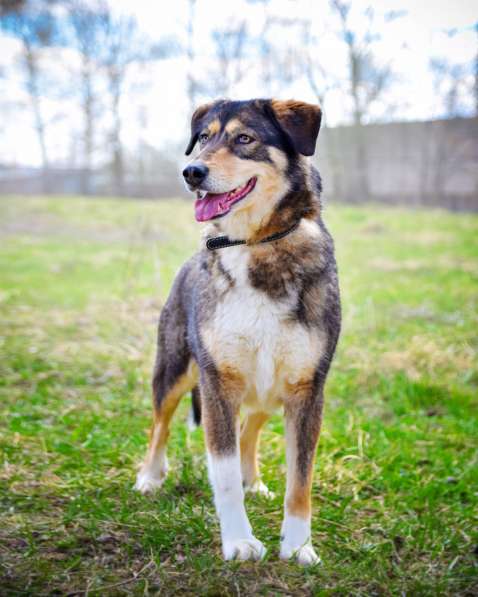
(88,125)
(476,76)
(361,188)
(117,148)
(34,94)
(191,79)
(362,191)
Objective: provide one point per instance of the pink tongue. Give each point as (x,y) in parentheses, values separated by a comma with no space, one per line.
(211,206)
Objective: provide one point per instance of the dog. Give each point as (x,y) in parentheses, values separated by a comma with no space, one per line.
(253,319)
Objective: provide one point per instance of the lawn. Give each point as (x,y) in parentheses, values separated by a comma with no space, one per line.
(396,485)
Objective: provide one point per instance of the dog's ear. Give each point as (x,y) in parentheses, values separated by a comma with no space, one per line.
(198,115)
(300,121)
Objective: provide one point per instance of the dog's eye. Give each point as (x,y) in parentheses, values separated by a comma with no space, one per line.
(203,138)
(244,139)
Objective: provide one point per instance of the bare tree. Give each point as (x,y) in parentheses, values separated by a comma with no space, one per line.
(453,85)
(322,81)
(108,43)
(367,82)
(33,24)
(124,45)
(454,91)
(279,64)
(367,79)
(475,85)
(121,48)
(229,45)
(86,25)
(192,85)
(276,63)
(315,73)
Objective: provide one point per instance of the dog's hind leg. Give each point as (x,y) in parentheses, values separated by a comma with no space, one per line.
(155,466)
(250,433)
(175,373)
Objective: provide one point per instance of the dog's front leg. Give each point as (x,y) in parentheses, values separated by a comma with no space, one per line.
(303,412)
(221,424)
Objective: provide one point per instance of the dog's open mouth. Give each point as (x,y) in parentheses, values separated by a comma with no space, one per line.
(214,205)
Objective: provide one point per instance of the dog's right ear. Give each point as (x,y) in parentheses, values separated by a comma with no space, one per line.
(198,115)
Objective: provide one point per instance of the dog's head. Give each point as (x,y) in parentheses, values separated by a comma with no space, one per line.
(248,150)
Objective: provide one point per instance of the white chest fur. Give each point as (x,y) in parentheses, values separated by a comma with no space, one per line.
(257,336)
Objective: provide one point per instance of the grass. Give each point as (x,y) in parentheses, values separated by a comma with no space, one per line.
(396,484)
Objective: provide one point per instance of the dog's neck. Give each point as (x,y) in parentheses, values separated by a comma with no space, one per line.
(290,209)
(271,215)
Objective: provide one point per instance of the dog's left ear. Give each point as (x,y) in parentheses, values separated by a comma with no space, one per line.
(301,122)
(197,116)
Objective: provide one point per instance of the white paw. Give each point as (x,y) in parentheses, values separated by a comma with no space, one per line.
(258,487)
(243,549)
(148,483)
(304,555)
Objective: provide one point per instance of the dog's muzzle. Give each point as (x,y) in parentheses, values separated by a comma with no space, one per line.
(195,173)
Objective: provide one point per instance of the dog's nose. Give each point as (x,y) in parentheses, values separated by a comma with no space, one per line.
(195,173)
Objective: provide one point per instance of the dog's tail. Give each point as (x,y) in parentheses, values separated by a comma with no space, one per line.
(195,413)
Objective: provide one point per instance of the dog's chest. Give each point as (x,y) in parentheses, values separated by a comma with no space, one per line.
(256,334)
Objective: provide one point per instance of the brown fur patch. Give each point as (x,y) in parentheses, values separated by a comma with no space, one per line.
(233,125)
(232,382)
(163,412)
(275,225)
(300,388)
(298,503)
(182,385)
(250,433)
(214,127)
(221,162)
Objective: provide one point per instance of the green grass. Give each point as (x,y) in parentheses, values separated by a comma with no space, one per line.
(396,484)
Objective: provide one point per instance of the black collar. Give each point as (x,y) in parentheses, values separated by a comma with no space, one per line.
(221,242)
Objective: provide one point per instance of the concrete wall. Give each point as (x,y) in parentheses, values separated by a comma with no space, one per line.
(431,163)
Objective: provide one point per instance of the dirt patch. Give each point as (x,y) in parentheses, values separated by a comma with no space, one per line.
(388,264)
(42,225)
(425,355)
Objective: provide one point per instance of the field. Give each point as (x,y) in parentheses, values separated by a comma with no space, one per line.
(396,483)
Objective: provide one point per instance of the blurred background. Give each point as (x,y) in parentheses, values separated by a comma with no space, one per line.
(96,96)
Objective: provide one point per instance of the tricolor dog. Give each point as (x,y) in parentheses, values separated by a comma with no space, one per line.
(253,318)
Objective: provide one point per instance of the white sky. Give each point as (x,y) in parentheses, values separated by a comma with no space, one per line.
(407,44)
